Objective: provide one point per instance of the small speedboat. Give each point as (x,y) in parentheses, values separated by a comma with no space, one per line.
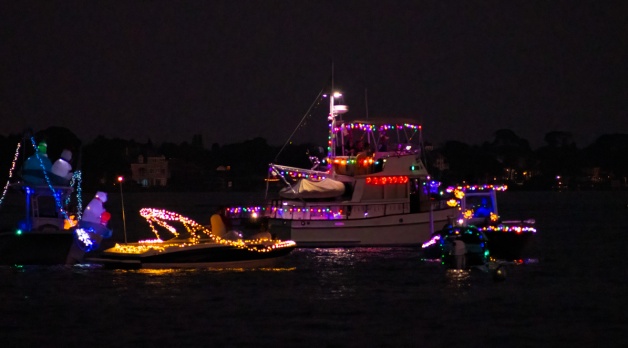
(188,253)
(199,248)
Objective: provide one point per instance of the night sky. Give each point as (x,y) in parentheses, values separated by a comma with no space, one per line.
(236,70)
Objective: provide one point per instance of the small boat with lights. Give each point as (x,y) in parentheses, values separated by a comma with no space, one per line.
(39,237)
(370,188)
(440,246)
(507,239)
(197,247)
(42,212)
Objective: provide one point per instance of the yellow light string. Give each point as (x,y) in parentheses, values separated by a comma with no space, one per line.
(160,216)
(4,191)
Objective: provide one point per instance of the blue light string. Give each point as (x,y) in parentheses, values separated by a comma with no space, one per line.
(55,194)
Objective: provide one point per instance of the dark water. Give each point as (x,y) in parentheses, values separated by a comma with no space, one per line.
(570,294)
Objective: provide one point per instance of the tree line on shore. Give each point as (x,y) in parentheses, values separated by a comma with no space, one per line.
(505,159)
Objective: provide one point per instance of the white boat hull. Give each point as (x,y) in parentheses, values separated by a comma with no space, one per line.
(389,230)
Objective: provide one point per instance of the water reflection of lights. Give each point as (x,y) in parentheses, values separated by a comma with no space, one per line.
(261,269)
(170,271)
(438,261)
(458,279)
(458,274)
(163,271)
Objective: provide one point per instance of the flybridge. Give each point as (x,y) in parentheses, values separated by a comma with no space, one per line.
(371,136)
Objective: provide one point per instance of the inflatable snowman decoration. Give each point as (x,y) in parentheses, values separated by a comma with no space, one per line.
(96,217)
(62,169)
(91,229)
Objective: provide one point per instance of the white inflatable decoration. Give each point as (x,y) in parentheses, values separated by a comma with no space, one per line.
(62,167)
(92,228)
(95,208)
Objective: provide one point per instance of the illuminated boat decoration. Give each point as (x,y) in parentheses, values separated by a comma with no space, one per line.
(508,239)
(196,247)
(43,227)
(382,194)
(439,247)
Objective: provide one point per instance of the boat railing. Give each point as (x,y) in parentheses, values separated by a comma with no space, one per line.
(325,211)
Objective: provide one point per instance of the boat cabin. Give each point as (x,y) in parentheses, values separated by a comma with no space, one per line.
(478,204)
(42,207)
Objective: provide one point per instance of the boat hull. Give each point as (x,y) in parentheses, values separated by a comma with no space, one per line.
(509,246)
(35,248)
(197,256)
(406,230)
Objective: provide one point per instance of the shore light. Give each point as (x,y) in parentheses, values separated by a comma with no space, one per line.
(120,179)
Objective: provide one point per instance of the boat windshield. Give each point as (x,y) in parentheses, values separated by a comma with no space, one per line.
(481,205)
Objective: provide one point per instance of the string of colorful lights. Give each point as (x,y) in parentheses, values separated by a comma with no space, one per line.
(370,127)
(507,228)
(298,174)
(466,188)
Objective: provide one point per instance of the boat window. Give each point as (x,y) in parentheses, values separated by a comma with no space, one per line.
(47,207)
(482,206)
(373,192)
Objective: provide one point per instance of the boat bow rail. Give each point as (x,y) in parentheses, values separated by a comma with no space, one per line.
(297,210)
